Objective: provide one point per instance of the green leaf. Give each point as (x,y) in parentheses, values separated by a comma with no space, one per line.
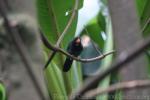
(2,92)
(95,27)
(73,77)
(101,21)
(107,60)
(143,7)
(55,82)
(76,75)
(53,19)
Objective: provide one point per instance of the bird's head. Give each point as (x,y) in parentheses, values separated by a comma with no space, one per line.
(77,41)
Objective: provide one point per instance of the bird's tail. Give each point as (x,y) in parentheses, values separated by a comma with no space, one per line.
(67,64)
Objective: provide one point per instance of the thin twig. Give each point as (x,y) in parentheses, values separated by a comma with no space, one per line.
(124,58)
(64,32)
(118,86)
(21,50)
(50,46)
(69,22)
(86,60)
(146,24)
(49,60)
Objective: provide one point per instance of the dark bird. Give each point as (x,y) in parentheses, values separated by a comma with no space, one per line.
(74,48)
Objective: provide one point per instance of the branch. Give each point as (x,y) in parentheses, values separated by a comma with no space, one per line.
(118,86)
(124,58)
(49,60)
(13,33)
(56,49)
(64,32)
(145,25)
